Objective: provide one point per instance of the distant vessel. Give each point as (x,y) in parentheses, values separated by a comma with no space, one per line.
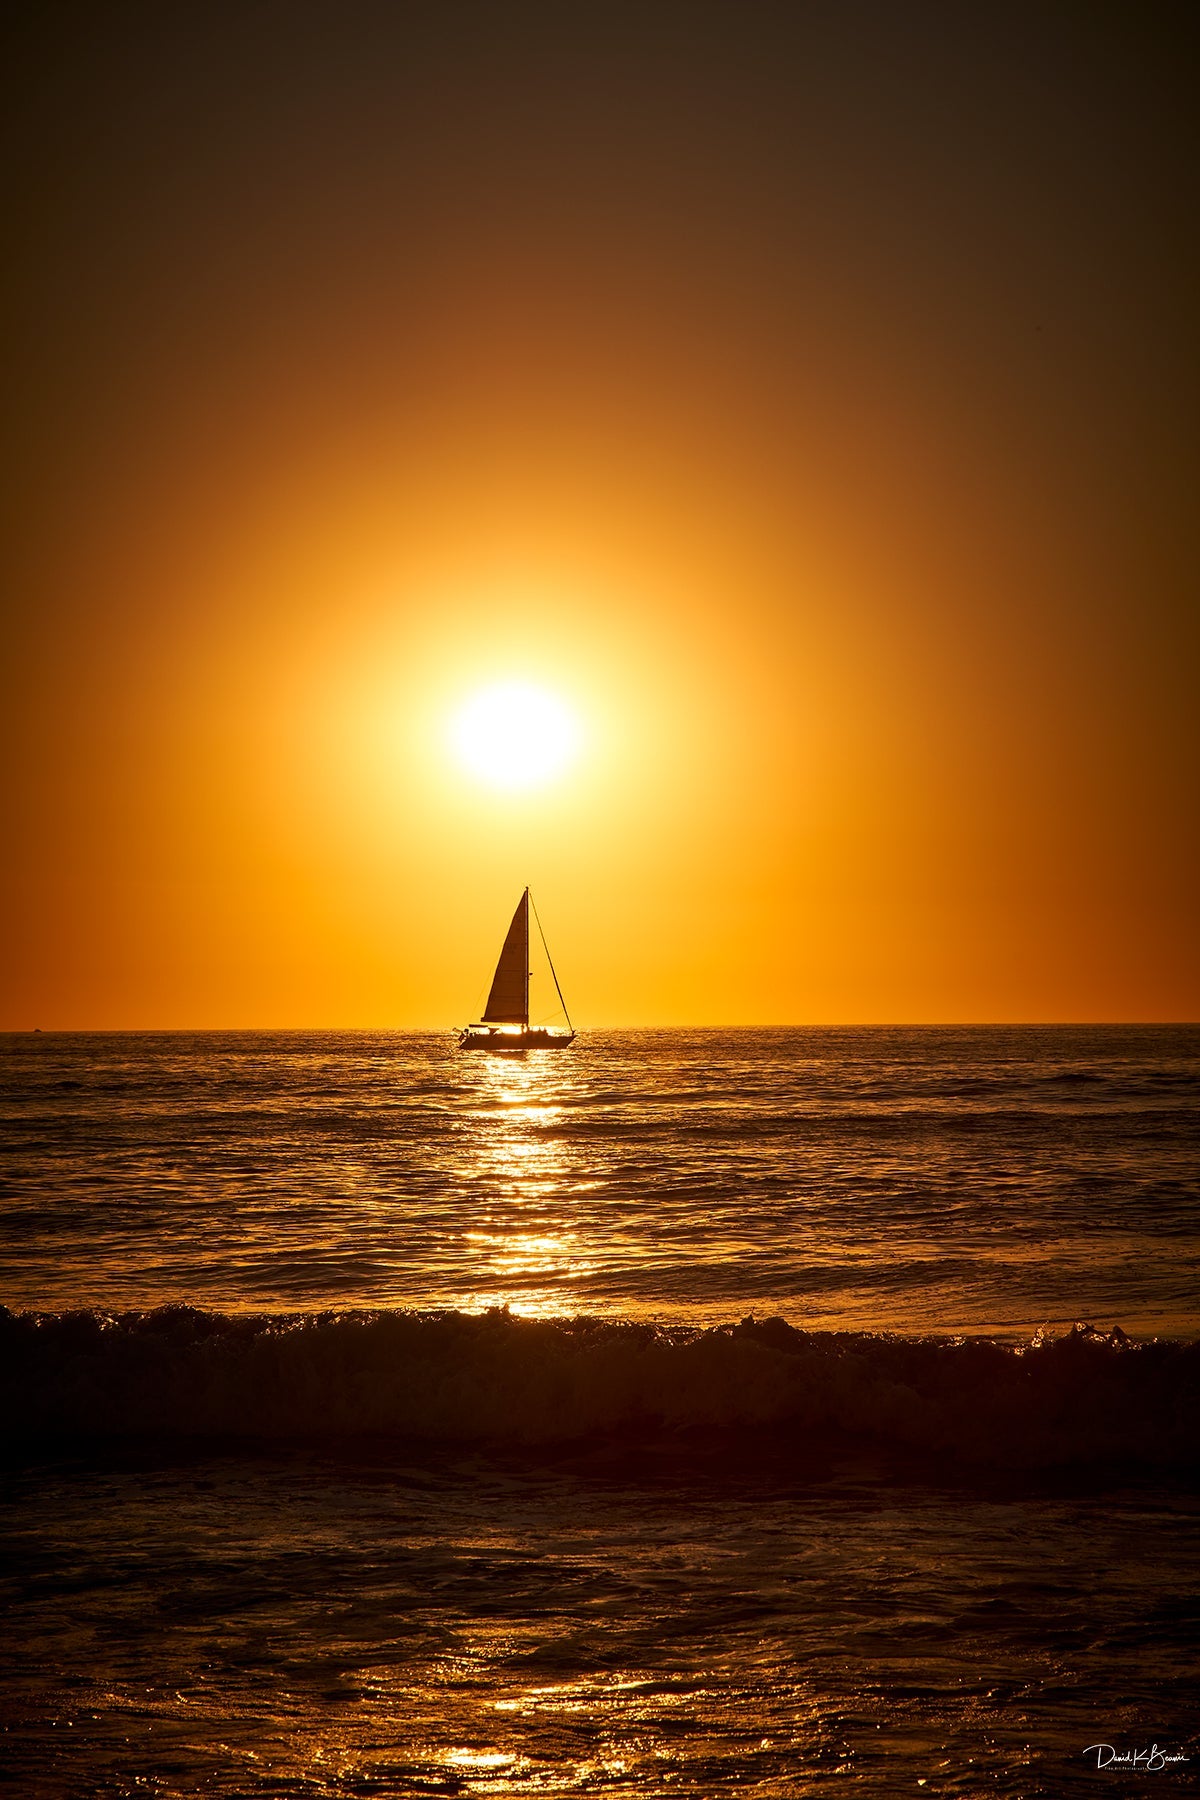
(505,1024)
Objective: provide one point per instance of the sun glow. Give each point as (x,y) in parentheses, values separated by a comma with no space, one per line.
(514,735)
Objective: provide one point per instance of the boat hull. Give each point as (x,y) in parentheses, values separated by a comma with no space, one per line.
(514,1043)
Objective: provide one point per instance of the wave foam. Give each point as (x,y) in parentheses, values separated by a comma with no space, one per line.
(496,1378)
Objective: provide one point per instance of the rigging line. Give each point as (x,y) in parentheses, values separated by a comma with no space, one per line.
(550,960)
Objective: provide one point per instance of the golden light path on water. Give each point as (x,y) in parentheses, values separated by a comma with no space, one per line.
(621,1728)
(529,1172)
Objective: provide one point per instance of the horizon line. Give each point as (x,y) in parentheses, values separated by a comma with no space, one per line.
(792,1025)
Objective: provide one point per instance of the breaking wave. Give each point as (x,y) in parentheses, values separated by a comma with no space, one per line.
(495,1378)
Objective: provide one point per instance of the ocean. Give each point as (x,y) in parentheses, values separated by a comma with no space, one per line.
(685,1413)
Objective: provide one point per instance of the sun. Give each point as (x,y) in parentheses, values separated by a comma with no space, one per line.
(513,735)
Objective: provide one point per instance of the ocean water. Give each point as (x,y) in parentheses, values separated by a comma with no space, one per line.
(685,1413)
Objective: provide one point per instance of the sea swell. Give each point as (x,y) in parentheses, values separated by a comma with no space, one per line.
(497,1378)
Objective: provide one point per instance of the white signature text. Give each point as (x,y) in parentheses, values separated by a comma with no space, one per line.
(1109,1757)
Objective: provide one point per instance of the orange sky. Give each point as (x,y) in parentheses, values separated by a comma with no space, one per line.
(805,395)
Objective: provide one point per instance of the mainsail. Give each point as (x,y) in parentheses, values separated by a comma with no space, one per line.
(508,1002)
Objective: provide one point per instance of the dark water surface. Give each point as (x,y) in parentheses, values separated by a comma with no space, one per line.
(626,1623)
(314,1489)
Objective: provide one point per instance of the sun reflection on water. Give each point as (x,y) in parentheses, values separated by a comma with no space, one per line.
(524,1251)
(480,1759)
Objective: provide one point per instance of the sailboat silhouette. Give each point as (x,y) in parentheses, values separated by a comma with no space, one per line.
(505,1024)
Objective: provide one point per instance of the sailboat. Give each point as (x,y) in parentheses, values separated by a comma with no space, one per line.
(505,1024)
